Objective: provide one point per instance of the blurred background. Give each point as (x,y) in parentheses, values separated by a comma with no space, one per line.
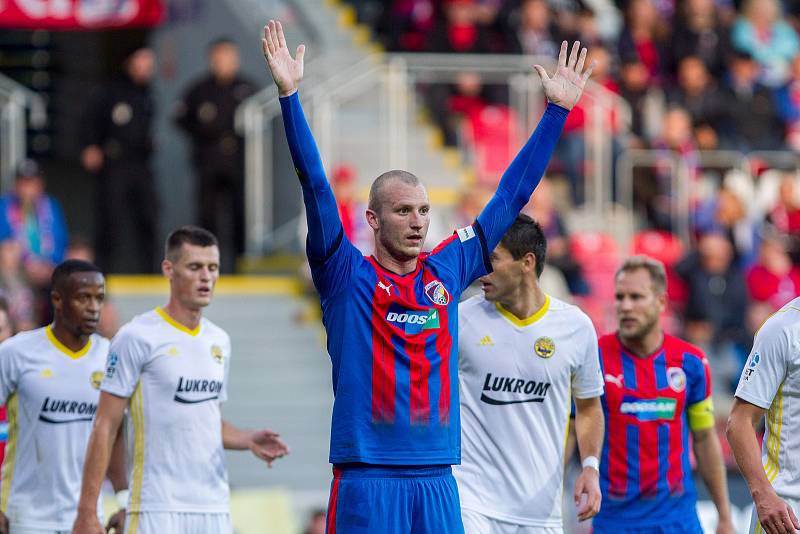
(120,120)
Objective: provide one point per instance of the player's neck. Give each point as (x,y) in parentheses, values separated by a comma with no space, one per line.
(525,302)
(390,263)
(188,317)
(645,345)
(73,342)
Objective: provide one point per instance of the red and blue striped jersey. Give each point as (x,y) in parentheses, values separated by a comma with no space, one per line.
(645,474)
(391,341)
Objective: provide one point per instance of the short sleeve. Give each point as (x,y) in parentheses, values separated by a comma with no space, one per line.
(9,372)
(126,359)
(699,406)
(333,274)
(766,366)
(587,379)
(464,254)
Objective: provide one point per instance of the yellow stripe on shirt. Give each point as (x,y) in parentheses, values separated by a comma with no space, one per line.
(11,451)
(774,426)
(137,416)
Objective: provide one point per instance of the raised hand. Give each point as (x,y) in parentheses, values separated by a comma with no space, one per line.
(566,85)
(286,70)
(268,446)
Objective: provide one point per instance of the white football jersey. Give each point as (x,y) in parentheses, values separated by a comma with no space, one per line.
(175,378)
(51,395)
(771,380)
(517,378)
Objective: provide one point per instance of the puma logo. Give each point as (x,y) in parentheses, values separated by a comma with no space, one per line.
(387,288)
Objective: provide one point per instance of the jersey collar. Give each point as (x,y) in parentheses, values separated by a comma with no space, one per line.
(63,348)
(528,320)
(175,324)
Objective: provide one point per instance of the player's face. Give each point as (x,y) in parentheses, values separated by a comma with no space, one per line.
(78,304)
(638,305)
(402,222)
(193,275)
(505,280)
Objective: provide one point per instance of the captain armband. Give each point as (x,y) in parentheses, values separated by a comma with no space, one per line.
(701,415)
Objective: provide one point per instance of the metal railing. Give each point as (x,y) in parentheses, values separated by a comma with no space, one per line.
(394,79)
(18,105)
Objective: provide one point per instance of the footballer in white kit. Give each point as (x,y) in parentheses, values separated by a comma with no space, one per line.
(49,380)
(769,387)
(517,379)
(169,367)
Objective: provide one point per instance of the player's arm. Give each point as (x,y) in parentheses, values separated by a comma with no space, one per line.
(708,452)
(773,513)
(524,173)
(264,444)
(589,431)
(110,411)
(325,229)
(118,475)
(9,378)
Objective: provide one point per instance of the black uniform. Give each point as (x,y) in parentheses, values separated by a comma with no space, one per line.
(206,113)
(119,120)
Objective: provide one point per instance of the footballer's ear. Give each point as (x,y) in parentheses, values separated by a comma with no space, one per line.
(166,268)
(373,220)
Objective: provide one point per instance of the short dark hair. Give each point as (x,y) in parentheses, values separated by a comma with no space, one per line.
(193,235)
(526,236)
(219,41)
(375,191)
(66,268)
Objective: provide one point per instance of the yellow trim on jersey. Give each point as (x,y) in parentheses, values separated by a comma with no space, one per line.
(774,427)
(176,324)
(137,416)
(11,451)
(701,415)
(63,348)
(528,320)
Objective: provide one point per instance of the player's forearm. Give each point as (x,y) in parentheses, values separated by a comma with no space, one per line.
(712,469)
(522,176)
(324,225)
(117,472)
(98,455)
(743,440)
(589,427)
(234,438)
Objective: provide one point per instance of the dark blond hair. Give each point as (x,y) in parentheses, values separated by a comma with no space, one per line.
(658,275)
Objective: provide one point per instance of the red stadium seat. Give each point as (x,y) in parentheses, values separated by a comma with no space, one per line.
(599,257)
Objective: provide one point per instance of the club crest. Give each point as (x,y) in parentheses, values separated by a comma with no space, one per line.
(544,347)
(676,379)
(437,293)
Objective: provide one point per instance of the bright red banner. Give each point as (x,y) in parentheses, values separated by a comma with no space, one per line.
(79,14)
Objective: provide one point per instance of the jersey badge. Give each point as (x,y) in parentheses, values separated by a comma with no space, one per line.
(173,351)
(466,233)
(46,373)
(486,341)
(111,366)
(676,379)
(437,293)
(544,347)
(751,366)
(96,379)
(216,353)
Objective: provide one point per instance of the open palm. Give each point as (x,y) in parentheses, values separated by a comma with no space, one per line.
(286,70)
(268,446)
(566,85)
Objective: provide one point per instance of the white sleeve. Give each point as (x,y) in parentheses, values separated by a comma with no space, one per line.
(223,394)
(126,358)
(587,379)
(9,372)
(766,366)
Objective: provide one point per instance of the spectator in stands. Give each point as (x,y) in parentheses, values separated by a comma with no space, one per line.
(726,213)
(533,33)
(773,280)
(205,112)
(643,38)
(699,32)
(460,30)
(646,101)
(787,102)
(715,317)
(407,24)
(6,331)
(698,93)
(771,41)
(14,286)
(34,220)
(118,146)
(755,124)
(785,215)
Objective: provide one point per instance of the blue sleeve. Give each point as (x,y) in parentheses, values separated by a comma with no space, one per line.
(6,232)
(331,255)
(59,232)
(698,378)
(522,177)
